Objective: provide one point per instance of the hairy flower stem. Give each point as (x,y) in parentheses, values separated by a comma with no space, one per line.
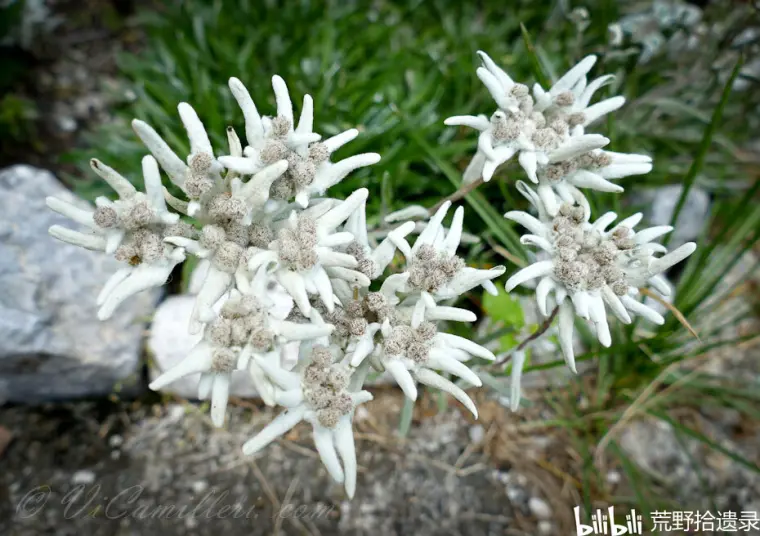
(456,196)
(359,376)
(532,337)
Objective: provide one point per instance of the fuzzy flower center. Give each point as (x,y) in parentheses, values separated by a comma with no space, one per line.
(225,208)
(301,168)
(364,263)
(199,177)
(297,248)
(242,321)
(555,173)
(584,259)
(227,241)
(325,387)
(409,342)
(431,270)
(353,319)
(143,234)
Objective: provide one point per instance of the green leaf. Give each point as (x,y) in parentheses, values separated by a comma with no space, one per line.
(504,308)
(405,419)
(188,266)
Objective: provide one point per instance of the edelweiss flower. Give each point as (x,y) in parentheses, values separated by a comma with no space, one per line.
(304,246)
(225,237)
(588,267)
(131,228)
(432,264)
(547,131)
(248,325)
(535,143)
(272,139)
(357,321)
(412,348)
(213,198)
(320,396)
(541,134)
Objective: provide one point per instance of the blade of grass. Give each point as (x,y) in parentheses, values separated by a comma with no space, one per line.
(738,458)
(535,61)
(641,490)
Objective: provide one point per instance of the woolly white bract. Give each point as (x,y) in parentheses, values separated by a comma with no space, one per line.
(294,291)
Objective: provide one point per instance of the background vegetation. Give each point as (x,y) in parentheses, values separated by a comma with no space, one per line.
(395,70)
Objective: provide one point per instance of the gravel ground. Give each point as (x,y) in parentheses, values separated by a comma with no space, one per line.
(100,468)
(151,467)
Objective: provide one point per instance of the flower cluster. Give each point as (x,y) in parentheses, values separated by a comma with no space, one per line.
(294,288)
(582,268)
(285,293)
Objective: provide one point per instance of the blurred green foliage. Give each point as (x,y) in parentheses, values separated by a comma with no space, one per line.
(395,70)
(18,114)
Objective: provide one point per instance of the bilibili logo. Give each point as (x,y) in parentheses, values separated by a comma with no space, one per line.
(604,523)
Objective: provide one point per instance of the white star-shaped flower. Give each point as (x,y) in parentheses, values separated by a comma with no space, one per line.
(412,349)
(432,263)
(249,328)
(544,130)
(305,252)
(588,267)
(310,171)
(320,396)
(132,228)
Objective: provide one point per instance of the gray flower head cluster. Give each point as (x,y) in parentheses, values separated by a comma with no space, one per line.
(585,268)
(546,129)
(582,268)
(132,228)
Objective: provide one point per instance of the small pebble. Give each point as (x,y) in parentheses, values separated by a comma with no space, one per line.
(176,412)
(477,433)
(515,494)
(83,477)
(539,508)
(199,486)
(66,123)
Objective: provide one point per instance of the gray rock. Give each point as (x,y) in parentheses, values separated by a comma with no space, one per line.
(169,343)
(52,346)
(661,202)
